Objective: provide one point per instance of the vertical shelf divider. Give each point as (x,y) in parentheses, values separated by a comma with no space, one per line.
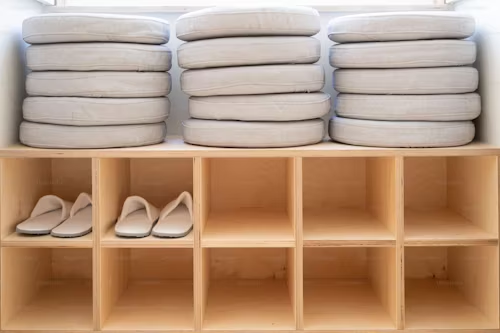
(96,246)
(296,194)
(399,211)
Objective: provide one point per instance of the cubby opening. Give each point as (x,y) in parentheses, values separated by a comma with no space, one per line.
(146,289)
(248,289)
(25,180)
(349,288)
(46,289)
(158,180)
(451,199)
(248,202)
(349,200)
(451,287)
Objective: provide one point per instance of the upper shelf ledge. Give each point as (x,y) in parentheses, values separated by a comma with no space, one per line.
(175,147)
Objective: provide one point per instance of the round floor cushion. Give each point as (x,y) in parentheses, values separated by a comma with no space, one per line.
(243,21)
(78,111)
(412,81)
(89,137)
(99,57)
(409,107)
(74,27)
(251,80)
(403,134)
(269,107)
(243,134)
(98,84)
(425,53)
(398,26)
(243,51)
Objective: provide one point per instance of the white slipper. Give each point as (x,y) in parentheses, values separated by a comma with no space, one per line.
(176,219)
(79,222)
(49,212)
(137,218)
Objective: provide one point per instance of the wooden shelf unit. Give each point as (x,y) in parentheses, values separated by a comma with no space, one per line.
(327,238)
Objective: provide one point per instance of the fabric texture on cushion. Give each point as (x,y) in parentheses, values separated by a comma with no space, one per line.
(427,53)
(399,26)
(271,107)
(89,137)
(244,134)
(244,51)
(245,21)
(74,27)
(413,81)
(402,134)
(251,80)
(98,84)
(409,107)
(78,111)
(99,57)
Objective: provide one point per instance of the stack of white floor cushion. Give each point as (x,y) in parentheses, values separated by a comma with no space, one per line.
(405,79)
(251,76)
(97,81)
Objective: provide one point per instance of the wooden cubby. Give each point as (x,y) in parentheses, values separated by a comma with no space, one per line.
(159,181)
(248,288)
(451,287)
(25,180)
(451,200)
(46,289)
(349,200)
(326,238)
(350,288)
(248,202)
(147,289)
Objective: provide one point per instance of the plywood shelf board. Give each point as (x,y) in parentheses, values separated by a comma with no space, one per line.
(438,304)
(19,240)
(58,305)
(344,226)
(111,240)
(443,227)
(331,304)
(248,228)
(153,305)
(248,305)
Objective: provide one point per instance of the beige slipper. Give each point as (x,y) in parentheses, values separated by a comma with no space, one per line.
(137,218)
(79,222)
(49,212)
(176,219)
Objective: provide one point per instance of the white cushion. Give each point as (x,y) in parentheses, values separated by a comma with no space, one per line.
(76,137)
(243,51)
(409,107)
(77,111)
(98,84)
(99,57)
(74,27)
(394,26)
(272,107)
(251,80)
(234,21)
(245,134)
(426,53)
(404,134)
(413,81)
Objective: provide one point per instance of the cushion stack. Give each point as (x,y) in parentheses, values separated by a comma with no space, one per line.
(404,79)
(97,81)
(251,76)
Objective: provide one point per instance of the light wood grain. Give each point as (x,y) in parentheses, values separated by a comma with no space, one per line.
(19,240)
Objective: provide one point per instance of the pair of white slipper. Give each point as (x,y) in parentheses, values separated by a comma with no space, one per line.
(59,218)
(138,218)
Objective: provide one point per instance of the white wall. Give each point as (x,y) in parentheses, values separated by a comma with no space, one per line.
(12,71)
(487,37)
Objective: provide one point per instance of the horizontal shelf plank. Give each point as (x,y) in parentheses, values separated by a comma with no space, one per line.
(331,304)
(248,228)
(111,240)
(175,147)
(434,304)
(443,228)
(19,240)
(345,227)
